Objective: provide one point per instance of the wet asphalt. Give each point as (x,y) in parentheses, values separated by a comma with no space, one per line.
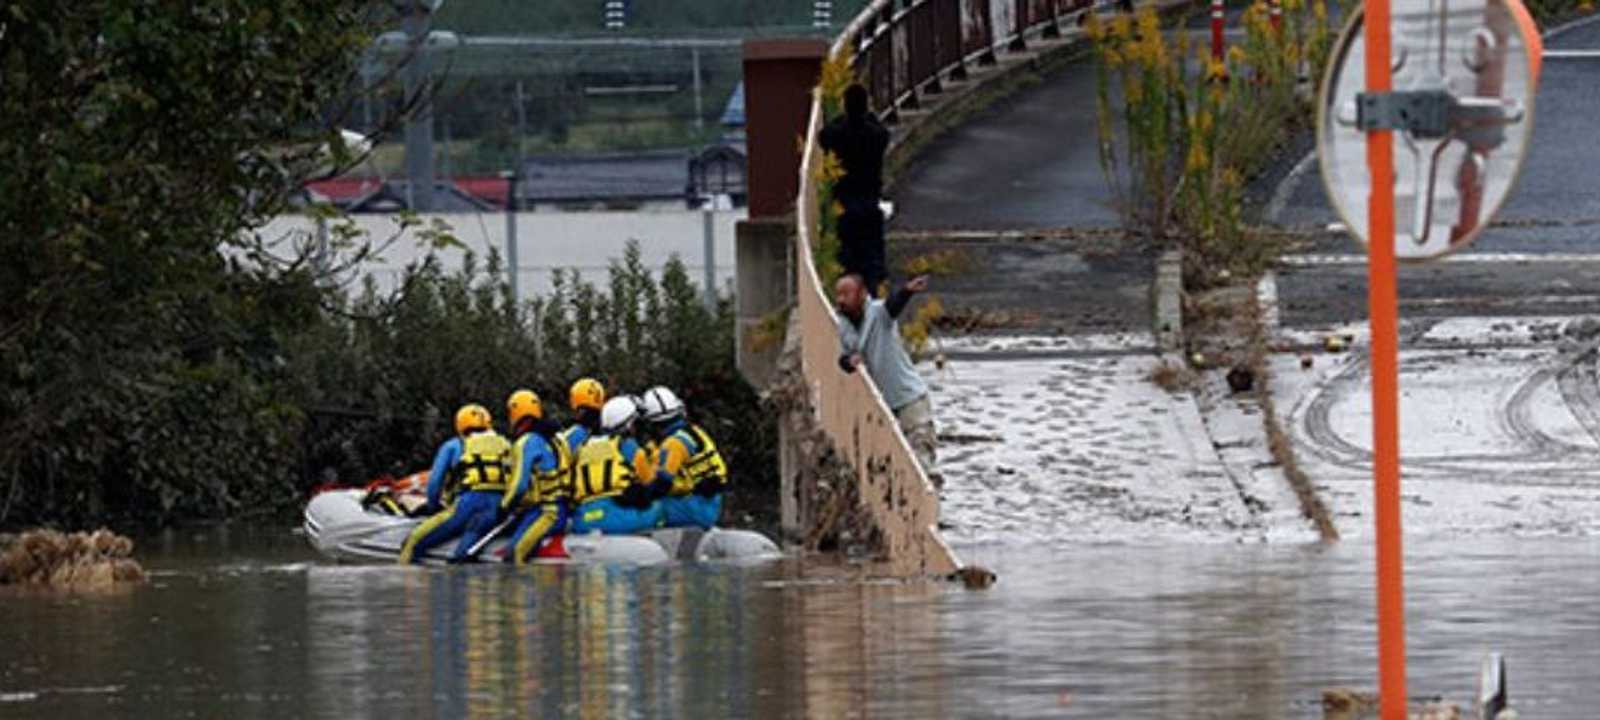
(1031,162)
(1028,162)
(1548,231)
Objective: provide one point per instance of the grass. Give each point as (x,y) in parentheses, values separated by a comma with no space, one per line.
(940,263)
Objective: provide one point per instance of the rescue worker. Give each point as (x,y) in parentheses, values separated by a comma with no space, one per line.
(586,397)
(688,460)
(611,486)
(474,465)
(540,464)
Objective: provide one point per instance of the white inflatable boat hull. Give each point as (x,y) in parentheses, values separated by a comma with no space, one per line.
(338,527)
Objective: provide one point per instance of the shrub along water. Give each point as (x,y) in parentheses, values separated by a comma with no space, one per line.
(382,376)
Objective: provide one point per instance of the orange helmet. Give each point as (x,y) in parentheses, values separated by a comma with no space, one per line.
(587,393)
(471,418)
(523,404)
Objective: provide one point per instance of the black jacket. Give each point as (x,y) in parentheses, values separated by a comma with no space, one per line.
(860,147)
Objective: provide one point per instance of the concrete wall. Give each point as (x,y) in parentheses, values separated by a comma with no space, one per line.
(764,251)
(587,241)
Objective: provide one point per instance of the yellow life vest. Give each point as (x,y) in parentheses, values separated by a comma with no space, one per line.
(705,462)
(485,464)
(546,486)
(556,484)
(600,471)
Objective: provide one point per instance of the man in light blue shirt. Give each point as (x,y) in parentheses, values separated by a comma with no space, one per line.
(869,335)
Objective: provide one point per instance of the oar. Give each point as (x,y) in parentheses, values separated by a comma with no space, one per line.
(483,542)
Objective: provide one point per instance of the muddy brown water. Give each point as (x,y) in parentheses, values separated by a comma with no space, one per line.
(250,625)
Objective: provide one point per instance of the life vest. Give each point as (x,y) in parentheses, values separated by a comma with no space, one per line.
(485,464)
(545,486)
(705,461)
(600,471)
(556,484)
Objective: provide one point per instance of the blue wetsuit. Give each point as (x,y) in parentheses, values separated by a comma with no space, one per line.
(538,458)
(683,510)
(472,516)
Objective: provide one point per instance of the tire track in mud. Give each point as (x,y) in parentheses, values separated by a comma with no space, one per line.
(1541,459)
(1579,384)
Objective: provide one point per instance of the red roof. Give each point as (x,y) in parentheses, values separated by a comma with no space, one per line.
(345,189)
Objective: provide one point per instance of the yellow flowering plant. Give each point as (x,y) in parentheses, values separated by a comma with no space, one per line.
(1178,140)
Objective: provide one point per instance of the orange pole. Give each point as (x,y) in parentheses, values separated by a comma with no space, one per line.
(1383,304)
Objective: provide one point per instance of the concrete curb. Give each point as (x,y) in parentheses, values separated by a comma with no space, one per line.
(1168,289)
(1569,26)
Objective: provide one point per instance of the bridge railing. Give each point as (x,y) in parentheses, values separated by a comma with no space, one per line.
(902,50)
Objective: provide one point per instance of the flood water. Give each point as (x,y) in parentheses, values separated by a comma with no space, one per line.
(252,626)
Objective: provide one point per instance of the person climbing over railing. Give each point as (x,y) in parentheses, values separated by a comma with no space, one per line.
(869,335)
(859,141)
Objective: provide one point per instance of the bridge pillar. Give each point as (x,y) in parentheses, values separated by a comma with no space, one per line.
(779,75)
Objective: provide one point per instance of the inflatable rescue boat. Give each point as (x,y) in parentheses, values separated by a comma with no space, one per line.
(371,525)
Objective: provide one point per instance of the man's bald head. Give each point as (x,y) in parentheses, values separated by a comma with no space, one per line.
(850,295)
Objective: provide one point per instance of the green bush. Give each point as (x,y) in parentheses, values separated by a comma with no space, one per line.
(390,372)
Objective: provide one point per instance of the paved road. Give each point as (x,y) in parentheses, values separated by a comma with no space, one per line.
(1542,257)
(1039,285)
(1029,162)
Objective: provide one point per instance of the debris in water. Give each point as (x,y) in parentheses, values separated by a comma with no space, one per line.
(78,561)
(974,577)
(1347,704)
(1241,379)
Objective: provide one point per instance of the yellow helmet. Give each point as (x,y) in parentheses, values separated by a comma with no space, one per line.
(588,393)
(472,417)
(523,404)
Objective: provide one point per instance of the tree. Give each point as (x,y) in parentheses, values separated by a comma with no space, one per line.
(141,140)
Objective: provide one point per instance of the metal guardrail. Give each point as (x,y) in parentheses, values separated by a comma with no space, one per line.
(905,48)
(902,50)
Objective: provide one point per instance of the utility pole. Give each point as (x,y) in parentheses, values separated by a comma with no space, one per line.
(708,214)
(445,153)
(522,126)
(699,111)
(511,177)
(419,124)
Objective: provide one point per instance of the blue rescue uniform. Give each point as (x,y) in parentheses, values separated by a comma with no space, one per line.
(479,464)
(607,490)
(692,465)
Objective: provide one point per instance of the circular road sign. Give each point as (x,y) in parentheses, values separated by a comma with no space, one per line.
(1465,72)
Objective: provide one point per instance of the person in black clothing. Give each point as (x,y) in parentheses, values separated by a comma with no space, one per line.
(859,141)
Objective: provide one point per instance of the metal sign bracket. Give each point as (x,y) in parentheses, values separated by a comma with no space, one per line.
(1423,113)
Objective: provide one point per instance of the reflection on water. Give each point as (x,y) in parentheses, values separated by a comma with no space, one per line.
(247,627)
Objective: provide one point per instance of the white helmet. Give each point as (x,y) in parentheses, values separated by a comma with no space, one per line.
(660,405)
(618,413)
